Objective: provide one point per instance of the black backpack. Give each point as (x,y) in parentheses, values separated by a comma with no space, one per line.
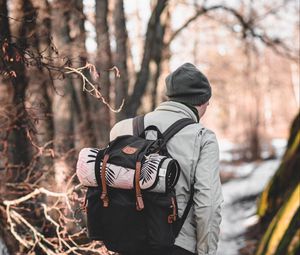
(130,220)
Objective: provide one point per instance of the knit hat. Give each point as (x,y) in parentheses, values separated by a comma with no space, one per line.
(188,85)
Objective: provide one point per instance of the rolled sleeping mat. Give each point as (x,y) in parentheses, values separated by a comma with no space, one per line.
(168,176)
(116,176)
(85,167)
(158,173)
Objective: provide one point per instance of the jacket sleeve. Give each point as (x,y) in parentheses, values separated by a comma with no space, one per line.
(208,196)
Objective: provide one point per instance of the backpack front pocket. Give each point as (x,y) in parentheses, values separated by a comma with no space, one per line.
(160,213)
(94,214)
(123,225)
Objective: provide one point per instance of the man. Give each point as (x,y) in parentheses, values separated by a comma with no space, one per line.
(196,150)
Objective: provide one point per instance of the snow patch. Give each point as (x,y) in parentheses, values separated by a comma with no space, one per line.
(239,208)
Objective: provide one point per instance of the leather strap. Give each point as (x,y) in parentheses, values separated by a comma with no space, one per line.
(104,195)
(185,213)
(138,193)
(172,217)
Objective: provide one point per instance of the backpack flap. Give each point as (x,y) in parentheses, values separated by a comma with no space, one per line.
(127,152)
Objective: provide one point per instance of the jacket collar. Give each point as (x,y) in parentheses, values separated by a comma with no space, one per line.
(177,107)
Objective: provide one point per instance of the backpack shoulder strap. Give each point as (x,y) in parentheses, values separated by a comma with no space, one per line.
(185,212)
(138,125)
(176,127)
(168,134)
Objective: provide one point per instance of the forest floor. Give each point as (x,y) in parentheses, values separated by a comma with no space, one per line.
(242,184)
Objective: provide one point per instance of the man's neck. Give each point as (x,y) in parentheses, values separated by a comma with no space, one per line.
(195,111)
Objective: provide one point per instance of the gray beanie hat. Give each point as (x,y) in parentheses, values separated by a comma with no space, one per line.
(188,85)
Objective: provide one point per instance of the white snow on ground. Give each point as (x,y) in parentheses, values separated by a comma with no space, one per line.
(280,146)
(250,184)
(241,170)
(229,150)
(238,214)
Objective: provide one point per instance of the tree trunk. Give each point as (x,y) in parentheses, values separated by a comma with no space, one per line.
(252,107)
(15,128)
(62,99)
(161,54)
(40,83)
(20,151)
(4,26)
(101,111)
(5,88)
(84,133)
(121,86)
(143,76)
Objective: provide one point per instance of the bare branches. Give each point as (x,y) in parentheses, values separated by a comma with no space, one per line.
(249,28)
(64,241)
(89,87)
(43,221)
(16,53)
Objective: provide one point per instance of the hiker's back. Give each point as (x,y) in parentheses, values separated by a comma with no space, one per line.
(196,150)
(184,146)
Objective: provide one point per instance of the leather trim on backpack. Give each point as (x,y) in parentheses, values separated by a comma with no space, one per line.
(104,195)
(129,150)
(138,193)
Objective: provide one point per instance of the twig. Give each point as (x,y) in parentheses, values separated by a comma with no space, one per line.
(93,90)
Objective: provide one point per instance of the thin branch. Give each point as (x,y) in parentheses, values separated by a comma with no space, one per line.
(63,242)
(89,87)
(247,25)
(198,13)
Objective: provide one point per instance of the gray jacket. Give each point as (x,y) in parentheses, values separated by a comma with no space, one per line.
(196,150)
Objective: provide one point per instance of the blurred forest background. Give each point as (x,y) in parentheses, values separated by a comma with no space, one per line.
(70,69)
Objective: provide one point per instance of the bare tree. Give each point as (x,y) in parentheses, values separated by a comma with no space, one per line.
(16,124)
(83,122)
(149,46)
(40,83)
(103,63)
(62,99)
(120,58)
(161,53)
(19,150)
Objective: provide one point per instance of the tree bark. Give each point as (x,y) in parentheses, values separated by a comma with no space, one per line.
(40,83)
(143,76)
(4,25)
(252,113)
(104,63)
(62,100)
(84,132)
(161,53)
(121,86)
(20,151)
(5,88)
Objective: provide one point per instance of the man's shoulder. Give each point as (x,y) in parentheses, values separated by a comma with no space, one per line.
(208,137)
(208,132)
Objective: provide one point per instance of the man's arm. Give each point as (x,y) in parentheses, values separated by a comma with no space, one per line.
(208,196)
